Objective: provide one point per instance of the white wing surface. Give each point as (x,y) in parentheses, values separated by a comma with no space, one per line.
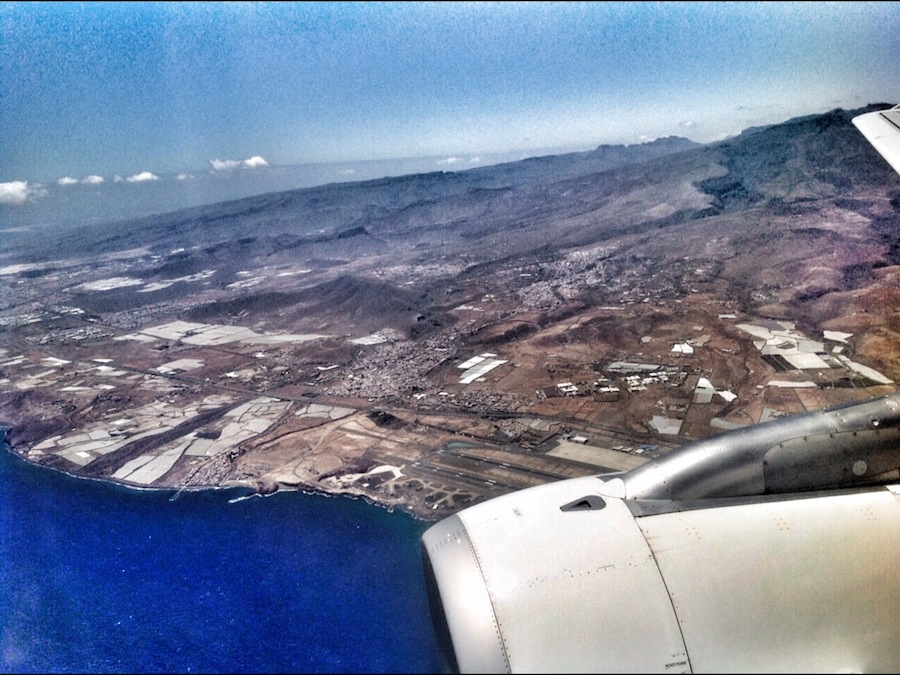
(882,129)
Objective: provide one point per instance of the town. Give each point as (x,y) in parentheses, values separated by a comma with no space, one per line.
(498,399)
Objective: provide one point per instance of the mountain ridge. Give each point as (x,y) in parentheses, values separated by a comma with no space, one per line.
(489,313)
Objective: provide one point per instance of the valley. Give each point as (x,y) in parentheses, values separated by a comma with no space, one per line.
(431,341)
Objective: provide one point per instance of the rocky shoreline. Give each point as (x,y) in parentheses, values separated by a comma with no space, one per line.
(259,488)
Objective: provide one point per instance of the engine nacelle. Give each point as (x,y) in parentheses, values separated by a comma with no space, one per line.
(610,573)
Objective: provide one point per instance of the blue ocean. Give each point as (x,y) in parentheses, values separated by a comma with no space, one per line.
(100,578)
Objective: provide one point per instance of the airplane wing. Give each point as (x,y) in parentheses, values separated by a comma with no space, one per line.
(882,129)
(771,548)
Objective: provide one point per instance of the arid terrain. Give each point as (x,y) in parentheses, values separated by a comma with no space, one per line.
(434,340)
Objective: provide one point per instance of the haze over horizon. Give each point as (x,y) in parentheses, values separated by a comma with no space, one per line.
(177,104)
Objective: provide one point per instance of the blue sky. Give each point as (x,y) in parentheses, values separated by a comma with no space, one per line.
(95,93)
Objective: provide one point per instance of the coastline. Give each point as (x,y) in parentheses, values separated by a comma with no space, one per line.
(397,460)
(100,578)
(250,488)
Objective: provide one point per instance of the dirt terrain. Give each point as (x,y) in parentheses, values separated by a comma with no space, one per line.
(431,341)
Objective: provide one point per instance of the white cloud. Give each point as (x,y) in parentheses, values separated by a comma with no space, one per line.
(347,172)
(17,192)
(118,179)
(254,162)
(89,180)
(142,177)
(687,124)
(458,160)
(184,176)
(224,164)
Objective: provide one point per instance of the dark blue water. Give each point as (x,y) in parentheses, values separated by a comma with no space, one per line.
(99,578)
